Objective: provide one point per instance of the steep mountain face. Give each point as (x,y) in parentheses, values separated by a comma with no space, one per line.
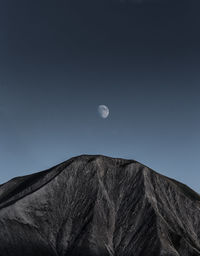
(98,206)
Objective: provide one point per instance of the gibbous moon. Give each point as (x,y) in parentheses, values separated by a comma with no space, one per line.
(103,111)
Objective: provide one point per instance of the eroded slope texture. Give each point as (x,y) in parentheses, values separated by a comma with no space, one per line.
(96,205)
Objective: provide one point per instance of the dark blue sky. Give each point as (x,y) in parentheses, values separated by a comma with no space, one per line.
(60,59)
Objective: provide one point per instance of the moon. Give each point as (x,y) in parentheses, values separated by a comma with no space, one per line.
(103,111)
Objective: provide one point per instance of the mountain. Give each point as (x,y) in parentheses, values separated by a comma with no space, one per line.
(98,206)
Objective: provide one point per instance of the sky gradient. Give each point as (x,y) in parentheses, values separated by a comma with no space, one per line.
(59,60)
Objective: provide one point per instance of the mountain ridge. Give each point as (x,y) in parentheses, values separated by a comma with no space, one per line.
(98,205)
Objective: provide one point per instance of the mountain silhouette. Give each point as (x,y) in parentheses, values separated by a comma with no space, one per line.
(98,206)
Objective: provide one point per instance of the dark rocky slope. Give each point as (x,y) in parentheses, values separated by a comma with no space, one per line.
(96,205)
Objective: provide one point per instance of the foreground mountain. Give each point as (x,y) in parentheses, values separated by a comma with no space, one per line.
(96,205)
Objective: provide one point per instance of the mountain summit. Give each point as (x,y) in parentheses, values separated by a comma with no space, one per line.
(98,206)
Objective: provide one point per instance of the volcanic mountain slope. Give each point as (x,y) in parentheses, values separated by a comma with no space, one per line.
(98,206)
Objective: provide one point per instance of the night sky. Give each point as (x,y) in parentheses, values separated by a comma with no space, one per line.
(60,60)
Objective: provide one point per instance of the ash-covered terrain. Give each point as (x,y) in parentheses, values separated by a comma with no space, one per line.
(98,206)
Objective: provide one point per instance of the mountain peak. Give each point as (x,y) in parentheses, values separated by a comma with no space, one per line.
(98,205)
